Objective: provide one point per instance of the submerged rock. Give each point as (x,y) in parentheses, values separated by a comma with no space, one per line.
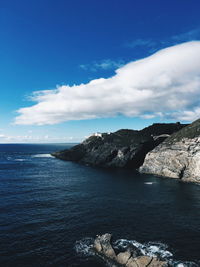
(124,148)
(178,156)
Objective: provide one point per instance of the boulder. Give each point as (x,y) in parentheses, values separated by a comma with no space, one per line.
(157,263)
(123,257)
(143,261)
(97,244)
(104,250)
(131,263)
(102,244)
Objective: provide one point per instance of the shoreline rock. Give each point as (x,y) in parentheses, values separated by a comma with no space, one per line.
(177,157)
(128,258)
(129,253)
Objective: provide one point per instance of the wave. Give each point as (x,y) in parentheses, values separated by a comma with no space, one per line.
(13,159)
(152,249)
(42,156)
(84,247)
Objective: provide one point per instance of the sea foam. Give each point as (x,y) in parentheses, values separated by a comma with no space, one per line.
(42,156)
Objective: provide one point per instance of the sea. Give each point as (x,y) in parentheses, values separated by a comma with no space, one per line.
(50,210)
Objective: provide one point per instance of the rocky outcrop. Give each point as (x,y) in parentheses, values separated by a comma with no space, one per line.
(128,258)
(102,245)
(178,156)
(124,148)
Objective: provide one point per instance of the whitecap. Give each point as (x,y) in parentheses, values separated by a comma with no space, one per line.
(19,160)
(149,249)
(184,264)
(85,246)
(42,156)
(148,183)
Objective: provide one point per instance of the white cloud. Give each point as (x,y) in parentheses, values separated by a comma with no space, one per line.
(187,115)
(165,84)
(8,138)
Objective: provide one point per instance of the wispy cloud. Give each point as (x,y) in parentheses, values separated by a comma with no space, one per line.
(141,42)
(152,45)
(6,138)
(106,64)
(164,84)
(191,35)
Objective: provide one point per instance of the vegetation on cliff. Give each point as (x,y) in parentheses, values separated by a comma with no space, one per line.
(123,148)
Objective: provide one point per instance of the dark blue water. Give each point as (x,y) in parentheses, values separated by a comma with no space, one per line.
(46,205)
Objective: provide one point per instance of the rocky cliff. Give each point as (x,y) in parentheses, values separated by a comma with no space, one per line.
(124,148)
(178,156)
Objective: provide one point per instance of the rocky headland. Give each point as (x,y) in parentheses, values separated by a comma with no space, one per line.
(121,149)
(178,156)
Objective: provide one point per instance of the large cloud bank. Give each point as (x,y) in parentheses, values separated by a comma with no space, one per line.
(165,84)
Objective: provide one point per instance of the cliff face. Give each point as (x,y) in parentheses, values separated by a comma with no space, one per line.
(178,156)
(124,148)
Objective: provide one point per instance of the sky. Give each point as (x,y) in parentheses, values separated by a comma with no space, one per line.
(69,68)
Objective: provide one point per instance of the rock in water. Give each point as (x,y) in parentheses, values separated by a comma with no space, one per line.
(157,263)
(178,156)
(143,261)
(105,251)
(131,263)
(106,248)
(97,244)
(123,257)
(124,148)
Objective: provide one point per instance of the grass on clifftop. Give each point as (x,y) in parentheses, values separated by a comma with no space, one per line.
(126,137)
(190,131)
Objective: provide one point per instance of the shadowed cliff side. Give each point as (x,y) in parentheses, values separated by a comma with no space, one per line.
(123,148)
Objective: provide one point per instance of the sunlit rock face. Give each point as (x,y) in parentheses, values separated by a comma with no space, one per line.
(122,149)
(178,156)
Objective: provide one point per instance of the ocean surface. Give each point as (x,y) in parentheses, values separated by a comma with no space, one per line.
(49,209)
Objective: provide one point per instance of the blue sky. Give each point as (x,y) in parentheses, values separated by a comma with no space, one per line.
(48,44)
